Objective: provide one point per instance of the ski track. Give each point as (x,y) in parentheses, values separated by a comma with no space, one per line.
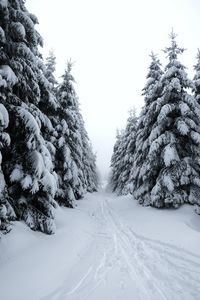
(150,269)
(174,273)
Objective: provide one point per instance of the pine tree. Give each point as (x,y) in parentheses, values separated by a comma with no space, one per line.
(27,164)
(6,210)
(127,154)
(75,161)
(122,159)
(138,181)
(50,69)
(196,90)
(88,159)
(172,162)
(116,161)
(69,148)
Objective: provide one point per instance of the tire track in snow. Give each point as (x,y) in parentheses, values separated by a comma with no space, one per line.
(114,256)
(80,282)
(149,269)
(89,275)
(176,270)
(108,257)
(143,274)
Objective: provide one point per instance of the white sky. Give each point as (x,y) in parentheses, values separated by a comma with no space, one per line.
(110,41)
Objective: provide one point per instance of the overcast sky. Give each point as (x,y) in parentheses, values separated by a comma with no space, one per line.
(110,41)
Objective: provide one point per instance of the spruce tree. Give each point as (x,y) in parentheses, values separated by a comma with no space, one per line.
(196,81)
(75,161)
(196,90)
(127,154)
(88,159)
(6,210)
(69,147)
(138,181)
(116,161)
(27,164)
(122,158)
(172,163)
(50,70)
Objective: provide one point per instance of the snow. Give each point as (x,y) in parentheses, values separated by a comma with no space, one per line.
(182,127)
(7,73)
(17,174)
(3,82)
(61,141)
(175,84)
(4,118)
(49,183)
(184,108)
(195,136)
(26,182)
(67,154)
(155,133)
(166,110)
(47,158)
(2,35)
(35,187)
(37,163)
(20,30)
(5,138)
(108,247)
(64,126)
(42,117)
(3,211)
(170,155)
(167,181)
(29,121)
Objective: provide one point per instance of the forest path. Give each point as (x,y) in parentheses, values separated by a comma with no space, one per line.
(120,264)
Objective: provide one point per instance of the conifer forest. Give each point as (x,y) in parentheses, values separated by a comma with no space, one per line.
(46,155)
(134,234)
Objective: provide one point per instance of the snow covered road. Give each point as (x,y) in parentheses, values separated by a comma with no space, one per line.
(118,262)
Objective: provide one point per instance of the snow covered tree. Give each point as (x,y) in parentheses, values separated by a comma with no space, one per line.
(88,159)
(196,90)
(6,210)
(122,159)
(138,181)
(75,162)
(69,147)
(50,69)
(91,171)
(127,154)
(116,161)
(170,175)
(27,163)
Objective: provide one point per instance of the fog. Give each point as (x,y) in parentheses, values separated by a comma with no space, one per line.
(110,42)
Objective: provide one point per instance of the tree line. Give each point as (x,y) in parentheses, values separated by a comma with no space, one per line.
(157,157)
(46,158)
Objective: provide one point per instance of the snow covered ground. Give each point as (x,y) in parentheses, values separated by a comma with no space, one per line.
(107,248)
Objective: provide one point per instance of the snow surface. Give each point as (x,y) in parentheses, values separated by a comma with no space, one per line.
(107,248)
